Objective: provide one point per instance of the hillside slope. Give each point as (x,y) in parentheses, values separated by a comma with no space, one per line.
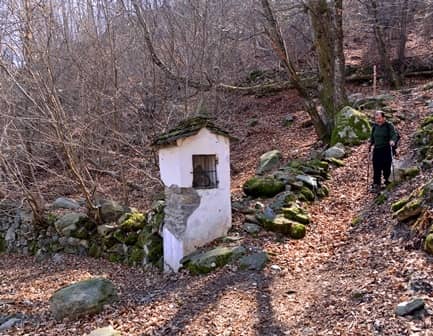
(339,280)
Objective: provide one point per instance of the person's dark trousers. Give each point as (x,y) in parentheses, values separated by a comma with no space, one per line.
(382,161)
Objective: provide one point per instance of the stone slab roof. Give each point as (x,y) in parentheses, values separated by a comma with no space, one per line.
(187,128)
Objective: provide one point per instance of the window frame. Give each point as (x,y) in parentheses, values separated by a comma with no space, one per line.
(208,160)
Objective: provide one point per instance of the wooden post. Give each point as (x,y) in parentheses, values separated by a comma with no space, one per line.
(374,80)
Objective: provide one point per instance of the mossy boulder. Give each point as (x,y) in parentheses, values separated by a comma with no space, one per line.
(400,204)
(428,243)
(82,298)
(95,250)
(128,238)
(307,194)
(280,224)
(269,161)
(263,187)
(323,191)
(297,214)
(351,128)
(205,262)
(297,231)
(136,256)
(132,221)
(409,210)
(282,200)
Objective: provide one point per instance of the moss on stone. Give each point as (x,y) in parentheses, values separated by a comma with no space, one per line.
(202,263)
(297,231)
(154,249)
(351,127)
(136,256)
(280,224)
(381,198)
(410,172)
(428,243)
(428,120)
(308,194)
(50,219)
(399,204)
(95,250)
(323,191)
(336,162)
(409,210)
(263,187)
(133,221)
(188,128)
(356,221)
(80,233)
(113,257)
(297,214)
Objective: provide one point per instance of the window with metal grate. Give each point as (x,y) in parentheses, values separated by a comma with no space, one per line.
(204,171)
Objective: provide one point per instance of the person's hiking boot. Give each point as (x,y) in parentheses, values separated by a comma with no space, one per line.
(387,183)
(375,188)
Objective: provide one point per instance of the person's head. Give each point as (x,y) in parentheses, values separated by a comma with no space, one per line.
(379,117)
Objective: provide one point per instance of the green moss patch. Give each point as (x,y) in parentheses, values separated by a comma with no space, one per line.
(263,187)
(351,128)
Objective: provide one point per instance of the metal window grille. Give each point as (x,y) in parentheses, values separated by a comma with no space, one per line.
(204,172)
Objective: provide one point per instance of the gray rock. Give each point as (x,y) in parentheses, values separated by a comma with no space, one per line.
(70,222)
(335,152)
(269,214)
(269,161)
(105,229)
(11,234)
(9,323)
(251,219)
(65,203)
(309,181)
(58,258)
(205,262)
(254,261)
(82,298)
(282,200)
(107,331)
(409,307)
(252,228)
(111,211)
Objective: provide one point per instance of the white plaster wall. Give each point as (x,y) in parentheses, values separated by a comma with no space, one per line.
(173,251)
(212,219)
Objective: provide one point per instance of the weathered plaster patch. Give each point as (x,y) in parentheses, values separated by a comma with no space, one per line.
(180,204)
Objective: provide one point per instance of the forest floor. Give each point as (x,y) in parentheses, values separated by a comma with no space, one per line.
(341,279)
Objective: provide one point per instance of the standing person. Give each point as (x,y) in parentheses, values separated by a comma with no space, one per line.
(383,138)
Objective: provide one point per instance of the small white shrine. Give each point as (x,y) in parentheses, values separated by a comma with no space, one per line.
(194,160)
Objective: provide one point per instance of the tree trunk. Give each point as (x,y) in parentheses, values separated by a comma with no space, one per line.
(274,33)
(389,72)
(403,38)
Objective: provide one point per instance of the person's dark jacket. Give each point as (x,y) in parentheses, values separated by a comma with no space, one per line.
(381,135)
